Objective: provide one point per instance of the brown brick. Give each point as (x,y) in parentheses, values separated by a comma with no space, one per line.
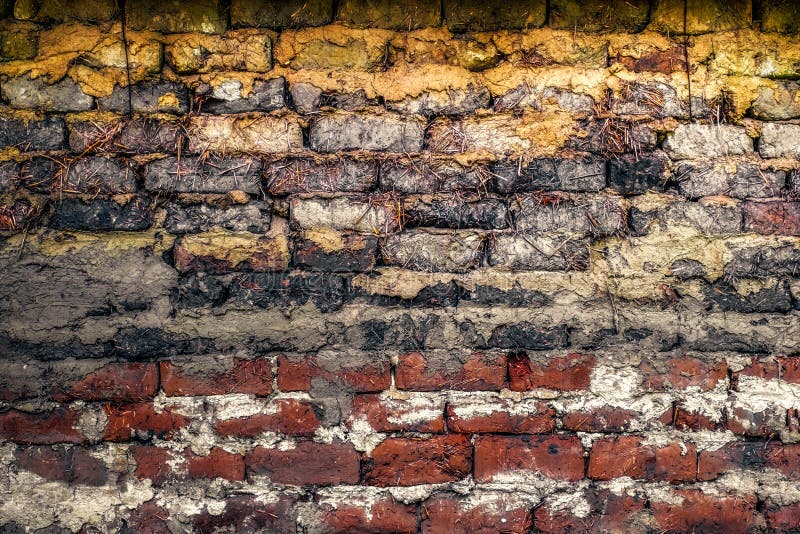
(217,464)
(306,463)
(291,416)
(208,375)
(608,513)
(570,372)
(555,456)
(408,461)
(248,513)
(770,218)
(436,370)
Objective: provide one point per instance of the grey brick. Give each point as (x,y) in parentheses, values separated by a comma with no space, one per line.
(252,217)
(352,131)
(203,175)
(580,173)
(267,95)
(34,93)
(148,97)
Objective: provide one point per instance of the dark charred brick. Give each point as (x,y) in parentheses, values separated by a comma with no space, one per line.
(9,176)
(326,291)
(48,133)
(246,513)
(331,251)
(435,295)
(141,135)
(687,269)
(725,297)
(203,175)
(35,93)
(266,95)
(349,101)
(611,15)
(17,213)
(454,211)
(40,173)
(299,175)
(548,174)
(757,262)
(432,176)
(78,214)
(252,217)
(575,215)
(156,96)
(632,174)
(195,290)
(402,15)
(515,297)
(526,335)
(740,179)
(97,175)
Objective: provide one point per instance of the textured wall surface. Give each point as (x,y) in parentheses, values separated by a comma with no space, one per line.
(368,266)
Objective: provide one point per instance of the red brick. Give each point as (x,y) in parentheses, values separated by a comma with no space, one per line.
(291,416)
(245,513)
(446,513)
(781,368)
(683,372)
(608,513)
(685,420)
(735,455)
(784,457)
(74,465)
(117,382)
(152,463)
(625,456)
(244,376)
(566,373)
(772,217)
(700,513)
(782,518)
(307,463)
(499,416)
(439,370)
(155,463)
(604,419)
(297,373)
(410,461)
(57,426)
(555,456)
(218,464)
(129,420)
(384,516)
(148,517)
(385,414)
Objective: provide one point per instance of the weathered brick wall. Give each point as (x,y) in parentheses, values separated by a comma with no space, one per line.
(373,266)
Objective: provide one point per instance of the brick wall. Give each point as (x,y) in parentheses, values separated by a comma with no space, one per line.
(372,266)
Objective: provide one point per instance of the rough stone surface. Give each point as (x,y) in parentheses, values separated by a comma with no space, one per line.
(712,141)
(36,93)
(779,140)
(338,132)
